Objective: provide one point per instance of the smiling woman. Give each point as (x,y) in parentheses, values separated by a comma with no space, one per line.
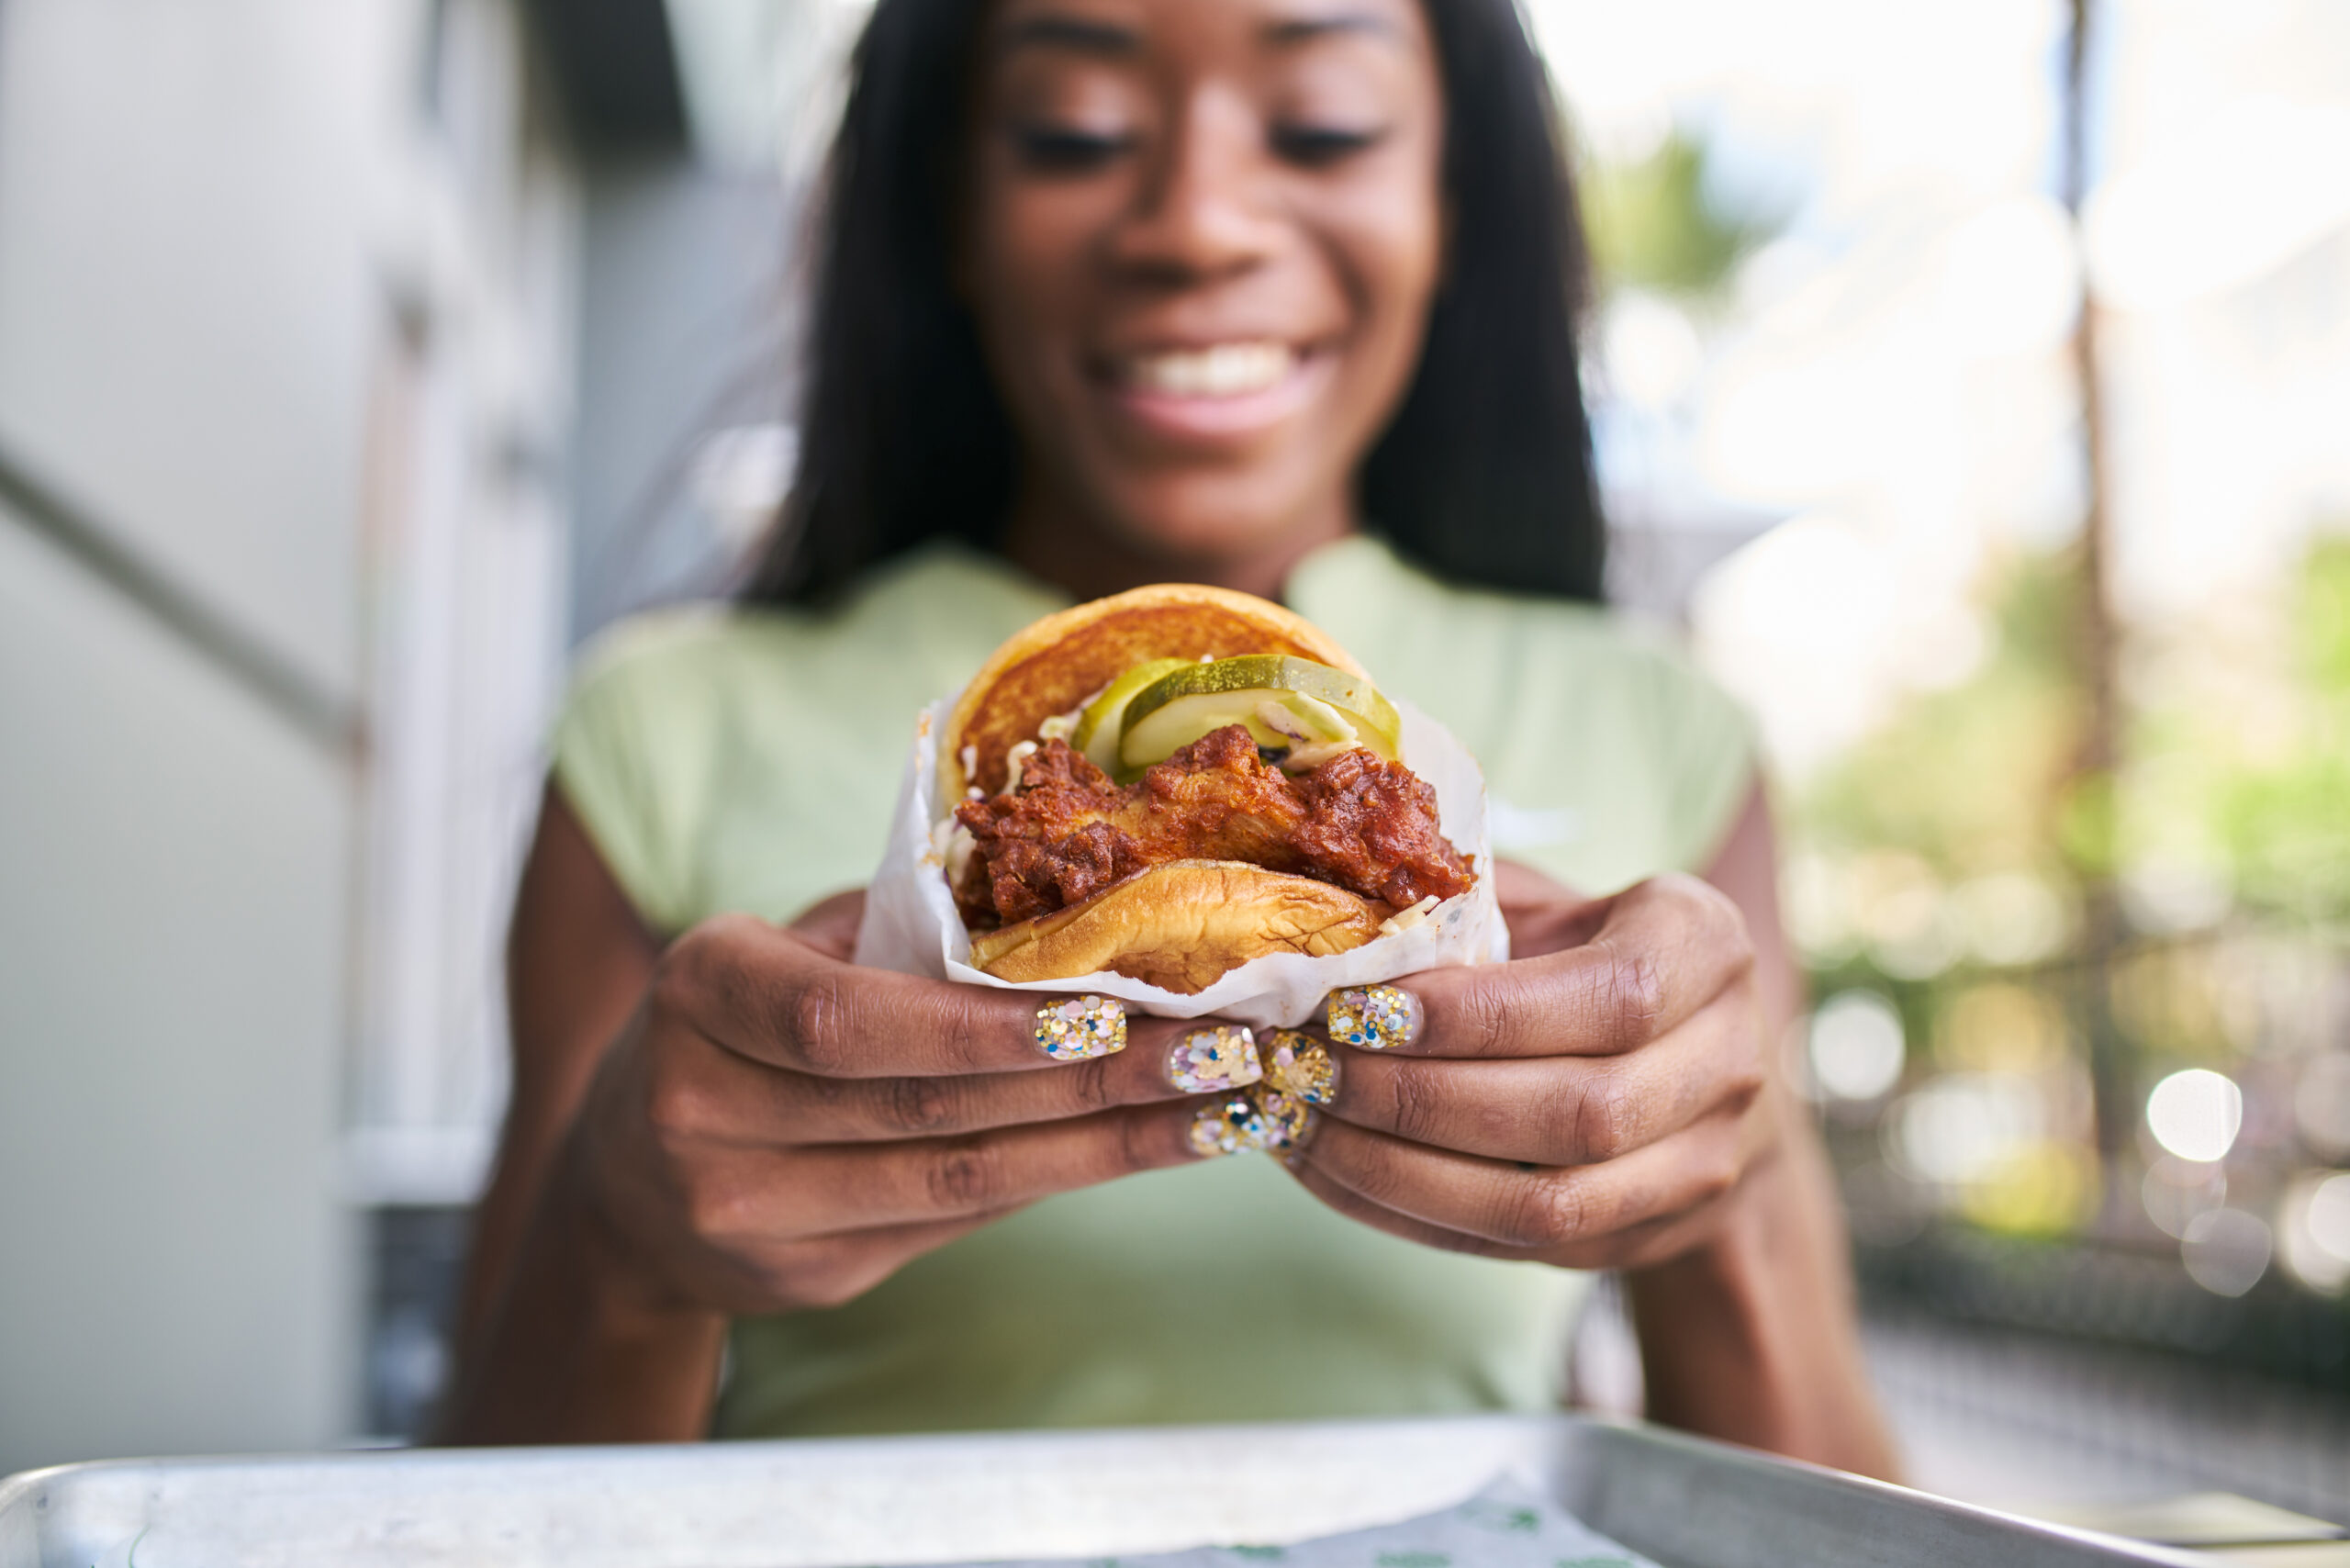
(1269,294)
(1255,260)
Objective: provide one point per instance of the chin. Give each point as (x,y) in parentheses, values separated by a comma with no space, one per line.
(1210,518)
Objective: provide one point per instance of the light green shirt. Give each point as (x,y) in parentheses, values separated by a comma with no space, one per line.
(731,759)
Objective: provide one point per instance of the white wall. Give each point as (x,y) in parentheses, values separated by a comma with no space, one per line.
(305,345)
(174,1270)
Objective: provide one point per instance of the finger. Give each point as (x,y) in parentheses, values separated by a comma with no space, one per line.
(829,924)
(1538,1209)
(1663,949)
(832,1270)
(1354,1205)
(707,1093)
(1557,1110)
(766,993)
(838,1187)
(1649,1241)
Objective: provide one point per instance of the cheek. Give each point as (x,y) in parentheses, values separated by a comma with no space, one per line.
(1390,254)
(1028,259)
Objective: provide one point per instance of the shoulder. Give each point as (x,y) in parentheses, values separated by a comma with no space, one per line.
(1576,711)
(679,722)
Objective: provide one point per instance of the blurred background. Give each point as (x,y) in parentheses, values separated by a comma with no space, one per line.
(1973,390)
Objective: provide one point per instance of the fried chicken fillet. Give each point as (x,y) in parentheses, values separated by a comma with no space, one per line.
(1068,833)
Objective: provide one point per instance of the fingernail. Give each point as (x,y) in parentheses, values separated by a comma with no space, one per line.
(1206,1060)
(1082,1028)
(1261,1119)
(1221,1127)
(1373,1017)
(1301,1065)
(1286,1120)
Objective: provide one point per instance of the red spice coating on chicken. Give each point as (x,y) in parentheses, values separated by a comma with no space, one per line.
(1358,821)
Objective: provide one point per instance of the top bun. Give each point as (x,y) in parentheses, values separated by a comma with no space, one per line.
(1054,664)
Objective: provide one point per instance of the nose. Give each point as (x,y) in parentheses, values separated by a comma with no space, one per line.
(1204,211)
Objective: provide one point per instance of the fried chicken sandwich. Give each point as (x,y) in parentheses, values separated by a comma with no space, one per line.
(1174,782)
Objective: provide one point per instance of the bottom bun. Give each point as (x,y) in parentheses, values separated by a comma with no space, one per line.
(1180,926)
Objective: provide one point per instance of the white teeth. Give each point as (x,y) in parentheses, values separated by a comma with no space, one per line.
(1225,370)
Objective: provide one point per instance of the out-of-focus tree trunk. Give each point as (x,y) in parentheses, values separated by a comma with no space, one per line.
(2098,653)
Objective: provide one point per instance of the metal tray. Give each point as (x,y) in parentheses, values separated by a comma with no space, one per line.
(836,1502)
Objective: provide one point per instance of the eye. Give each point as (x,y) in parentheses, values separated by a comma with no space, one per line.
(1313,146)
(1068,150)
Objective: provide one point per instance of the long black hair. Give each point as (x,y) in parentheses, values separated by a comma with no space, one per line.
(1483,477)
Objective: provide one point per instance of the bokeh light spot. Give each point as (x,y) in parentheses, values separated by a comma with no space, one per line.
(2196,1114)
(1857,1046)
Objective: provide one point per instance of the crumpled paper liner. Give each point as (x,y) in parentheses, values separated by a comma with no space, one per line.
(910,925)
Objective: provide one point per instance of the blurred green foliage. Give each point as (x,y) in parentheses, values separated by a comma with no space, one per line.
(1655,225)
(2284,820)
(1971,779)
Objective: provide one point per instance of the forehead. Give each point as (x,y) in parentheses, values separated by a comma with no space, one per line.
(1114,28)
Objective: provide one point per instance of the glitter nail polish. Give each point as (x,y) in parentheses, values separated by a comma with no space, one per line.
(1284,1121)
(1373,1017)
(1206,1060)
(1222,1127)
(1260,1119)
(1082,1028)
(1302,1066)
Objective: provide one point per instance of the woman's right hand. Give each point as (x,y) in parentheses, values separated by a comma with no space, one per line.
(778,1128)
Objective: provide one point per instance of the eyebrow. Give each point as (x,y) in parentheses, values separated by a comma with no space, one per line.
(1085,35)
(1306,29)
(1080,34)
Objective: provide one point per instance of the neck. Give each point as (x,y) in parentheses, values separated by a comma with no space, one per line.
(1057,543)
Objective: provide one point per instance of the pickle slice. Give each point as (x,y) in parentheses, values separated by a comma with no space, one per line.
(1285,702)
(1099,726)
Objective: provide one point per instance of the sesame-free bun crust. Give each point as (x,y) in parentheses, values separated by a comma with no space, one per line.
(1180,926)
(1056,663)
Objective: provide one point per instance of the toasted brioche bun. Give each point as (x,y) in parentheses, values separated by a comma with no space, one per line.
(1180,926)
(1058,662)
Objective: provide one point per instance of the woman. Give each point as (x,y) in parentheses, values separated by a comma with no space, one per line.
(1272,294)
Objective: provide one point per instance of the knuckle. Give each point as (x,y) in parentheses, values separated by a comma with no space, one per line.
(1544,1212)
(966,1176)
(822,1275)
(816,1023)
(1412,1109)
(1719,1177)
(916,1106)
(1602,1121)
(1089,1085)
(674,1105)
(682,974)
(713,1203)
(1631,996)
(1379,1177)
(1480,1017)
(961,1036)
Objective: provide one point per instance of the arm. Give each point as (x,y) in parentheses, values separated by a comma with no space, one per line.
(1609,1099)
(541,1311)
(744,1121)
(1753,1334)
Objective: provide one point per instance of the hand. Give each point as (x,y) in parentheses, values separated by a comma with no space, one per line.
(1593,1103)
(778,1128)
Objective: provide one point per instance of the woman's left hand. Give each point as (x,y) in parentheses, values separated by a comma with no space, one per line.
(1594,1103)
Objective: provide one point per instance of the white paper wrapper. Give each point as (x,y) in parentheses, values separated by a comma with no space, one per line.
(911,925)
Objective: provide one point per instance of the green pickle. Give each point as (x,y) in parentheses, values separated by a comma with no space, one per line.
(1099,726)
(1312,704)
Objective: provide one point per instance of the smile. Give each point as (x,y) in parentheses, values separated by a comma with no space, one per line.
(1216,393)
(1219,370)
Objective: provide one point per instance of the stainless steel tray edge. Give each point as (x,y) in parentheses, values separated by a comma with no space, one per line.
(826,1502)
(1685,1500)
